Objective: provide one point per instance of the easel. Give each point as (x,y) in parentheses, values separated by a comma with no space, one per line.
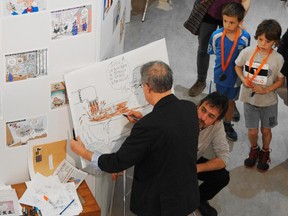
(125,194)
(162,4)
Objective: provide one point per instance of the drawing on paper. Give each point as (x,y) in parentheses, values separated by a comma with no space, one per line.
(7,208)
(116,15)
(59,96)
(100,121)
(26,65)
(122,25)
(101,93)
(20,132)
(71,22)
(18,7)
(107,5)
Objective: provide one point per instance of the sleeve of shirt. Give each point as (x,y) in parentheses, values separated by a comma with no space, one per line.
(220,144)
(94,161)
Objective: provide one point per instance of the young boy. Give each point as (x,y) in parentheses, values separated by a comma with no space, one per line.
(259,70)
(226,43)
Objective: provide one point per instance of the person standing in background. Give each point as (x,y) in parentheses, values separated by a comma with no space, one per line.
(226,43)
(259,69)
(283,50)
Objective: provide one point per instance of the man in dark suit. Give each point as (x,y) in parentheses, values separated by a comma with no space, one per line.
(162,146)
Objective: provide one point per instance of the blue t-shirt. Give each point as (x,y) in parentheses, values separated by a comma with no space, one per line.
(214,47)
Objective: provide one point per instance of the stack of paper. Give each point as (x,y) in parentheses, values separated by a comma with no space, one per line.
(9,204)
(51,196)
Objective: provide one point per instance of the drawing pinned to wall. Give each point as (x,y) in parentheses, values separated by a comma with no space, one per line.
(71,22)
(18,7)
(26,65)
(21,131)
(107,5)
(122,25)
(99,100)
(116,15)
(59,96)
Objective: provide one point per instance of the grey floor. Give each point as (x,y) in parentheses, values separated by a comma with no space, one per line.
(249,192)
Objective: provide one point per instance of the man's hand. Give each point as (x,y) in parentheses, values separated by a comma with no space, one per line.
(133,116)
(79,148)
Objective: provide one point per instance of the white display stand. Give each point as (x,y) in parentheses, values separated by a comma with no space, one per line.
(30,98)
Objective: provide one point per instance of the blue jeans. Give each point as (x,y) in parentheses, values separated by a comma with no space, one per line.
(205,31)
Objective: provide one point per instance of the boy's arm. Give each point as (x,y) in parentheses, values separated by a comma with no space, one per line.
(259,89)
(239,71)
(246,5)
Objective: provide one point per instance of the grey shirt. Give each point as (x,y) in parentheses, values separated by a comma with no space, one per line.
(215,137)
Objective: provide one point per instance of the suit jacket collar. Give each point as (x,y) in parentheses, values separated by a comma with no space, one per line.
(165,100)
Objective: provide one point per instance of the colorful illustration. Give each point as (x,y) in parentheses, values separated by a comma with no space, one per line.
(99,100)
(20,132)
(26,65)
(107,5)
(116,15)
(59,96)
(7,208)
(71,22)
(18,7)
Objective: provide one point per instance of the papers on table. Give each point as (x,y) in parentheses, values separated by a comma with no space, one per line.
(51,196)
(68,173)
(9,204)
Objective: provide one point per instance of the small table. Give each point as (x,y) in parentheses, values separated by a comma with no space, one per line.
(90,206)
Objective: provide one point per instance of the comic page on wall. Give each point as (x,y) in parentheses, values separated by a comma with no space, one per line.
(19,7)
(19,132)
(26,65)
(71,22)
(101,94)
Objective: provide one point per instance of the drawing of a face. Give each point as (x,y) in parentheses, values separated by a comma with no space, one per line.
(135,84)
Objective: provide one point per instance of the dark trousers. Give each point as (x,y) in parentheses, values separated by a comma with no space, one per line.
(213,181)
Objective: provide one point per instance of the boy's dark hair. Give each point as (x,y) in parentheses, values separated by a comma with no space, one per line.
(215,99)
(234,9)
(272,30)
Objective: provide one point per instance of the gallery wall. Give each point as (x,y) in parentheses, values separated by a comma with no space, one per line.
(36,50)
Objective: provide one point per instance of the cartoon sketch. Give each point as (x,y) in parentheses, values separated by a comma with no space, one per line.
(20,132)
(71,22)
(18,7)
(107,5)
(26,65)
(116,15)
(7,208)
(59,96)
(101,93)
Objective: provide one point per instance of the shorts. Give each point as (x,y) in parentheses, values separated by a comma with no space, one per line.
(230,93)
(266,115)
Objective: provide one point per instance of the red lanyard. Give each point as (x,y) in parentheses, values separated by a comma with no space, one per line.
(248,80)
(223,64)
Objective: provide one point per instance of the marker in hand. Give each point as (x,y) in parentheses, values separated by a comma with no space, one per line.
(135,119)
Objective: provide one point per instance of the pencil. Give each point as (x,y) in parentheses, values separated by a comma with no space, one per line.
(67,207)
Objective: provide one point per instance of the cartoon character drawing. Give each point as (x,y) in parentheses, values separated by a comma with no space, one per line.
(74,28)
(84,25)
(29,7)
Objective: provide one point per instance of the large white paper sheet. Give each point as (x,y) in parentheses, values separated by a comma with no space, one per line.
(100,93)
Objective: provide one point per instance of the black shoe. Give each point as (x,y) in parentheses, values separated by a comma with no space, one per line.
(207,210)
(236,115)
(230,132)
